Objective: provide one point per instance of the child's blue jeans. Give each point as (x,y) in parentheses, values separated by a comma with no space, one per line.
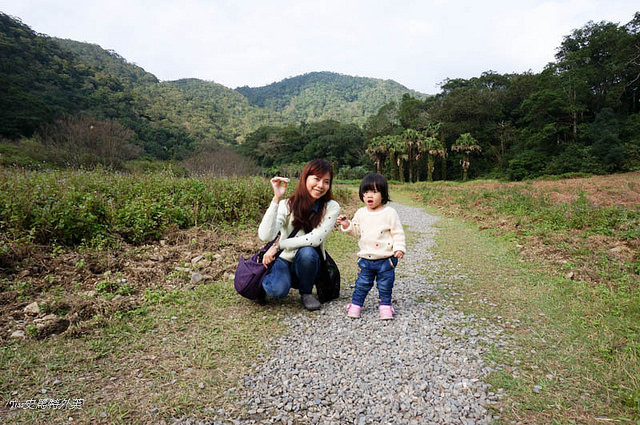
(301,273)
(383,272)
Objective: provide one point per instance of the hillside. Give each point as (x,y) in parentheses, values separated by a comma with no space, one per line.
(47,77)
(326,95)
(108,61)
(209,111)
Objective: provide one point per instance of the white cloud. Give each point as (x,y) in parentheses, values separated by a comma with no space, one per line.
(242,42)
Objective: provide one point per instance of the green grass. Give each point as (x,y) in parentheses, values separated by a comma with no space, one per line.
(73,207)
(577,341)
(177,355)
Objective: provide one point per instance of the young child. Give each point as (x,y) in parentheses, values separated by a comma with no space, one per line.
(381,244)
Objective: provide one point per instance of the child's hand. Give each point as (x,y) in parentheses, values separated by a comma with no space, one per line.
(398,254)
(343,221)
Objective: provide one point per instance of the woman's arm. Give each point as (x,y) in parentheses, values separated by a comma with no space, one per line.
(272,221)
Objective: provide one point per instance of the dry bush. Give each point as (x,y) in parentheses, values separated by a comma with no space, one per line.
(83,141)
(219,161)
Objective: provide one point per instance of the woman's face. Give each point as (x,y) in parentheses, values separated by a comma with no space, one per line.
(317,186)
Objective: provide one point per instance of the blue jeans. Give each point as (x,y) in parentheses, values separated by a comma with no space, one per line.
(383,272)
(301,273)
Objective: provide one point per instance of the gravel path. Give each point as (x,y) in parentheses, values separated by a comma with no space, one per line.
(424,367)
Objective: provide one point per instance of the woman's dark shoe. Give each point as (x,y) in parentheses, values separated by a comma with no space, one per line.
(262,297)
(310,302)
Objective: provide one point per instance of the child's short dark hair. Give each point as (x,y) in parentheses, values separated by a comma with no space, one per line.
(375,182)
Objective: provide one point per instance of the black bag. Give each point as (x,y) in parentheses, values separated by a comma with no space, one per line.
(328,280)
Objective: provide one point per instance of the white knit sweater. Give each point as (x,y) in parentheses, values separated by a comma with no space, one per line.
(278,218)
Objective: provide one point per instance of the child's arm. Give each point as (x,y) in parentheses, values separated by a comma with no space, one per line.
(350,227)
(397,233)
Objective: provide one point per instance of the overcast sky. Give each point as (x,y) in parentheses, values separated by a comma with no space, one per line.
(249,42)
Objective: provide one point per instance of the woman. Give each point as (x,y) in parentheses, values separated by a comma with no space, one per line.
(311,210)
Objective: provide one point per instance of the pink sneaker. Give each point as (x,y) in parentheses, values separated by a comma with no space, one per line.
(386,312)
(353,311)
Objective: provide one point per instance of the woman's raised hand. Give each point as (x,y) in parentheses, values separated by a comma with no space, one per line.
(279,185)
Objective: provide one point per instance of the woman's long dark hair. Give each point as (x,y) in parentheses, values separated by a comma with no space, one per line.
(301,203)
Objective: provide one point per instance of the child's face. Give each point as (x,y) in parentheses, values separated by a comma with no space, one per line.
(373,199)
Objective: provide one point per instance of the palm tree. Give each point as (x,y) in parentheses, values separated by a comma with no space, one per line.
(434,149)
(397,153)
(465,144)
(412,140)
(377,150)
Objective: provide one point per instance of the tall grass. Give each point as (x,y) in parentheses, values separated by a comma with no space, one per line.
(536,213)
(70,207)
(73,207)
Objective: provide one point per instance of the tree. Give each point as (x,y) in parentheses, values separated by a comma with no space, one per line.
(83,141)
(412,113)
(397,153)
(412,140)
(607,146)
(465,144)
(433,147)
(377,150)
(384,122)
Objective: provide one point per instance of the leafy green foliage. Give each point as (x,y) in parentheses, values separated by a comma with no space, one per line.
(318,96)
(341,144)
(74,207)
(109,63)
(38,79)
(580,114)
(44,78)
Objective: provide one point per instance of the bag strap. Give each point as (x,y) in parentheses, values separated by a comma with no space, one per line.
(292,234)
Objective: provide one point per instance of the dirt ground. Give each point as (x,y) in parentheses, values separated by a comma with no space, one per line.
(45,292)
(609,190)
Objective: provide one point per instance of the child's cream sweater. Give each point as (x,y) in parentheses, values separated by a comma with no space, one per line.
(380,232)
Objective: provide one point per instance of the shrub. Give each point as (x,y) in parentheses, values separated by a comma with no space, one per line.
(73,207)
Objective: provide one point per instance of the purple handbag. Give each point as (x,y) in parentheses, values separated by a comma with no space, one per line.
(251,271)
(249,274)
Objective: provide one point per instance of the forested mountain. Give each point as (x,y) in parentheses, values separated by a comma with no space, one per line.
(84,105)
(108,62)
(39,80)
(581,114)
(43,78)
(326,95)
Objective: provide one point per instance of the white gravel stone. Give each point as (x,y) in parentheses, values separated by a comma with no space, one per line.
(425,367)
